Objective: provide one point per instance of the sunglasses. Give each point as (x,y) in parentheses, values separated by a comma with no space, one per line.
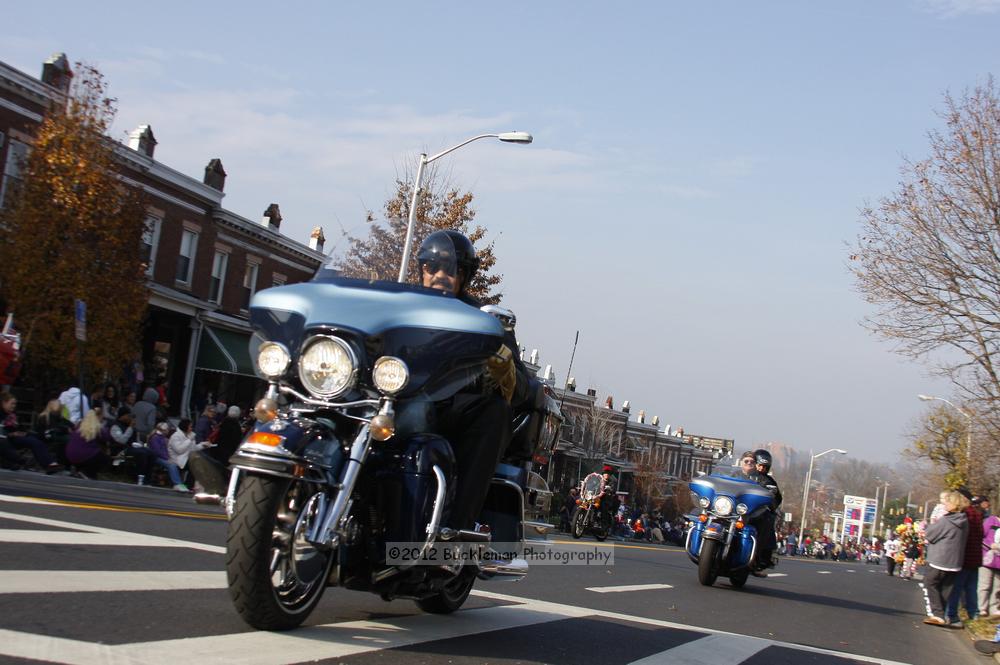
(746,462)
(432,267)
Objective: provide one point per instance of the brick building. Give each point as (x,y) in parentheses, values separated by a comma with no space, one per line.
(204,261)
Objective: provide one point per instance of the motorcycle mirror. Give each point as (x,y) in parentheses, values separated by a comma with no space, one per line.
(505,316)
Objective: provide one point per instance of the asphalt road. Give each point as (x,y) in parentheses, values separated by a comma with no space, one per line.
(101,572)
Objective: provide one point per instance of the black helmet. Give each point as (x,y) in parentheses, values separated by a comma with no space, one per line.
(452,251)
(762,457)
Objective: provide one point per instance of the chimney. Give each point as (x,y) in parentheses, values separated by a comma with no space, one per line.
(141,139)
(533,359)
(571,385)
(57,73)
(626,407)
(656,421)
(591,392)
(547,375)
(316,239)
(215,175)
(642,416)
(272,217)
(610,402)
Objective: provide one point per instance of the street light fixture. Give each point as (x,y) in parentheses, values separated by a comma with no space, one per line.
(968,436)
(805,492)
(506,137)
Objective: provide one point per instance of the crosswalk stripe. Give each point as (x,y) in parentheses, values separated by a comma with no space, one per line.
(708,650)
(777,574)
(822,572)
(79,534)
(628,587)
(72,581)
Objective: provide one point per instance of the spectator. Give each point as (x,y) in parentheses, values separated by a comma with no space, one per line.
(945,554)
(181,443)
(144,414)
(966,584)
(220,412)
(9,459)
(109,404)
(566,511)
(206,423)
(123,434)
(209,465)
(19,438)
(86,449)
(53,428)
(73,409)
(129,401)
(162,388)
(158,444)
(891,549)
(989,574)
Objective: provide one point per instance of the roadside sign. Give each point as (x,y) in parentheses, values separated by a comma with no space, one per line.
(788,517)
(81,320)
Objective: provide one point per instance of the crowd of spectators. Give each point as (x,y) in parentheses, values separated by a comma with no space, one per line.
(110,438)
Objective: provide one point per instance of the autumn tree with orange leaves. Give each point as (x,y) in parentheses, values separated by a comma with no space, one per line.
(378,255)
(73,230)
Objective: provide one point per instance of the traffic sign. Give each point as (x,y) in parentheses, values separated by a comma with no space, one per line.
(81,320)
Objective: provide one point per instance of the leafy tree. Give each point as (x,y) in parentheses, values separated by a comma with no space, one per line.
(439,207)
(941,440)
(73,231)
(929,254)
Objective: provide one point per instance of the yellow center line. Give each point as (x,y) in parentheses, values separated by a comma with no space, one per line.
(627,547)
(126,509)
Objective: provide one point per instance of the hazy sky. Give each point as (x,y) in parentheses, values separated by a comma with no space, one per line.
(696,174)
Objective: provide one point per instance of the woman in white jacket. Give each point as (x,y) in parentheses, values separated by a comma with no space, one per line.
(181,444)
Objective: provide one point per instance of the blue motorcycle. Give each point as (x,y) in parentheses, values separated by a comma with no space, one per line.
(721,540)
(344,460)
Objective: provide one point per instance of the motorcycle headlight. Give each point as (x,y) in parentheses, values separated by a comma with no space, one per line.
(741,509)
(390,375)
(704,502)
(328,367)
(273,359)
(723,505)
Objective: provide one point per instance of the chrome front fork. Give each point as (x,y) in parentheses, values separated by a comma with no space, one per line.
(325,533)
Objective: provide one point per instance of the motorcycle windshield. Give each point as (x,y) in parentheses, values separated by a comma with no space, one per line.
(439,337)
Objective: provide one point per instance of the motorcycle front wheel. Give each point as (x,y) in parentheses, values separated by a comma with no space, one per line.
(579,523)
(276,577)
(707,569)
(739,579)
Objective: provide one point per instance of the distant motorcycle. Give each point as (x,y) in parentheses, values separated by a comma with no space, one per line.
(588,516)
(721,540)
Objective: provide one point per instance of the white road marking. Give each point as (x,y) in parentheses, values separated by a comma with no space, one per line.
(708,650)
(70,581)
(628,587)
(849,570)
(81,534)
(777,574)
(822,572)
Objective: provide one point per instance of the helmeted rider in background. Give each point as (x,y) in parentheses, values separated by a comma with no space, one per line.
(477,419)
(768,540)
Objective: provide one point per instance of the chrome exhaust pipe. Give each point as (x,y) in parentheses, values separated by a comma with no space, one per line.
(206,499)
(510,571)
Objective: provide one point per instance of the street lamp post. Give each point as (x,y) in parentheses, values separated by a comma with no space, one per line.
(506,137)
(968,431)
(805,492)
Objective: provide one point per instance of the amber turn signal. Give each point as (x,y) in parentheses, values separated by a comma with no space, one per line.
(738,524)
(703,518)
(266,439)
(382,427)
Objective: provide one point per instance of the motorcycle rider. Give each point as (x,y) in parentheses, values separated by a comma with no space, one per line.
(765,522)
(608,497)
(477,419)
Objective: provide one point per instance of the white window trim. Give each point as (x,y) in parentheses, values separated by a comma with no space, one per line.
(256,278)
(194,255)
(221,278)
(155,221)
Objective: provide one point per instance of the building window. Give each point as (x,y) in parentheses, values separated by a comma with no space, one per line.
(17,153)
(185,259)
(219,265)
(150,240)
(249,284)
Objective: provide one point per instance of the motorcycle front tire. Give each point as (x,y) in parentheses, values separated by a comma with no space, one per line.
(708,570)
(740,578)
(579,523)
(259,553)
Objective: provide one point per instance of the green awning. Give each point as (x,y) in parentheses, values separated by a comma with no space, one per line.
(226,351)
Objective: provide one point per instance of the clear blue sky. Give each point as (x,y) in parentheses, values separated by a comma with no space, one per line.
(696,172)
